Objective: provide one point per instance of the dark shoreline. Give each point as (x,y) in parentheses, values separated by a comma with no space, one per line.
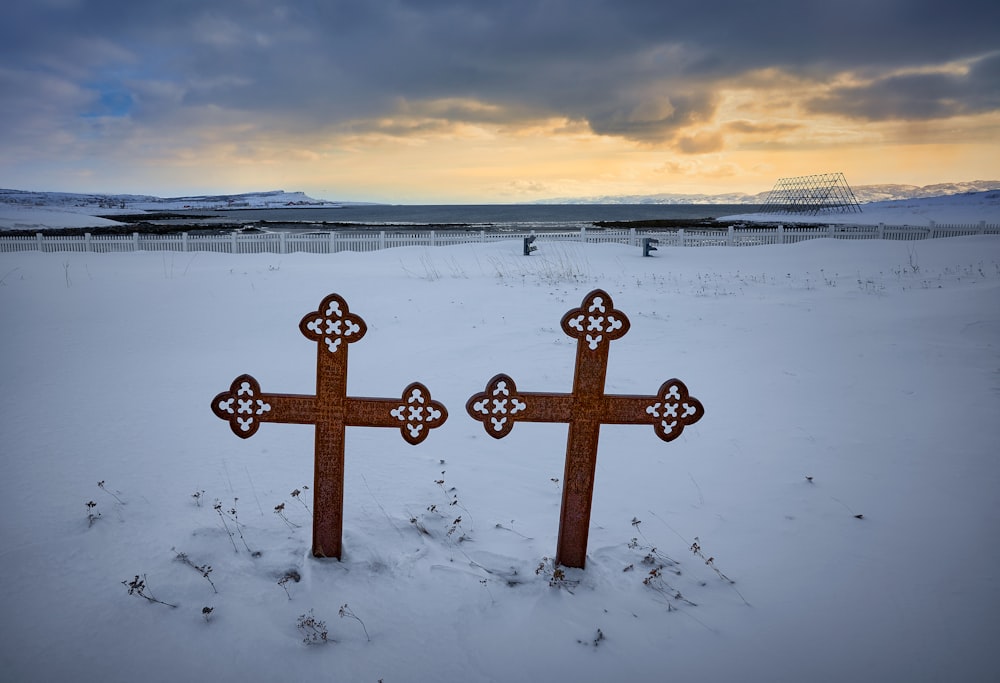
(146,227)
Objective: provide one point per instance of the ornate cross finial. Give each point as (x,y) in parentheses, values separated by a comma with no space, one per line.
(333,327)
(595,324)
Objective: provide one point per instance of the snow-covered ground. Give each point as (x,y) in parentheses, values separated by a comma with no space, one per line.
(845,474)
(48,217)
(22,210)
(958,209)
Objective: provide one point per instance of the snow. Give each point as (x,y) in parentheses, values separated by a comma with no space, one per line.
(48,217)
(956,209)
(872,368)
(25,210)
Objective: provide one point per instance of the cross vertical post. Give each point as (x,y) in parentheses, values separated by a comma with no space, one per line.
(333,327)
(594,325)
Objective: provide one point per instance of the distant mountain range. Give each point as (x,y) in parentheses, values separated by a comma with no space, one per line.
(863,193)
(275,199)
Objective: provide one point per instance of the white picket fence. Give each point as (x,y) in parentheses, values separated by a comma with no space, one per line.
(333,242)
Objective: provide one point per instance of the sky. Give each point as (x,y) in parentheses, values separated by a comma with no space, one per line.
(440,101)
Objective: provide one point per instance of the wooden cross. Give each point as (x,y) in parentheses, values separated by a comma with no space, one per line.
(245,407)
(594,325)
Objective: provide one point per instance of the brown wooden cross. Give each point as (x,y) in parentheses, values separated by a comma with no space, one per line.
(245,407)
(594,325)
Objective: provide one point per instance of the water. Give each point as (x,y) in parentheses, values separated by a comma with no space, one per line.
(479,217)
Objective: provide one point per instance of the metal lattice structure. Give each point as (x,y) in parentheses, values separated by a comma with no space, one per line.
(812,194)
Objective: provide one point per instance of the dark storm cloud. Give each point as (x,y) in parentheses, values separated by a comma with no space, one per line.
(919,96)
(639,69)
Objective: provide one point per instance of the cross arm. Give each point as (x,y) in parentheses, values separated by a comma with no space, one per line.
(415,414)
(245,406)
(501,405)
(669,411)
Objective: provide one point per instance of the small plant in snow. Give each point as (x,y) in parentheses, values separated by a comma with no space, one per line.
(555,574)
(296,494)
(313,630)
(455,531)
(138,588)
(653,556)
(486,584)
(453,502)
(202,569)
(198,495)
(207,612)
(346,611)
(236,521)
(286,578)
(511,529)
(232,514)
(596,640)
(218,508)
(101,486)
(655,580)
(418,526)
(279,510)
(455,524)
(854,514)
(93,514)
(660,564)
(710,561)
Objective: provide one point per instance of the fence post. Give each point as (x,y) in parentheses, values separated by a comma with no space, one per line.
(41,244)
(381,240)
(184,241)
(680,235)
(730,236)
(86,240)
(482,235)
(632,241)
(881,231)
(583,234)
(233,239)
(829,231)
(333,243)
(282,244)
(781,234)
(982,227)
(135,241)
(433,239)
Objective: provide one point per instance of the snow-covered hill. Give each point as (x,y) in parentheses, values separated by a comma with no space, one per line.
(956,209)
(863,193)
(26,210)
(109,203)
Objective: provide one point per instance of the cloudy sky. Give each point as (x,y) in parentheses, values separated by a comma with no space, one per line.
(456,101)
